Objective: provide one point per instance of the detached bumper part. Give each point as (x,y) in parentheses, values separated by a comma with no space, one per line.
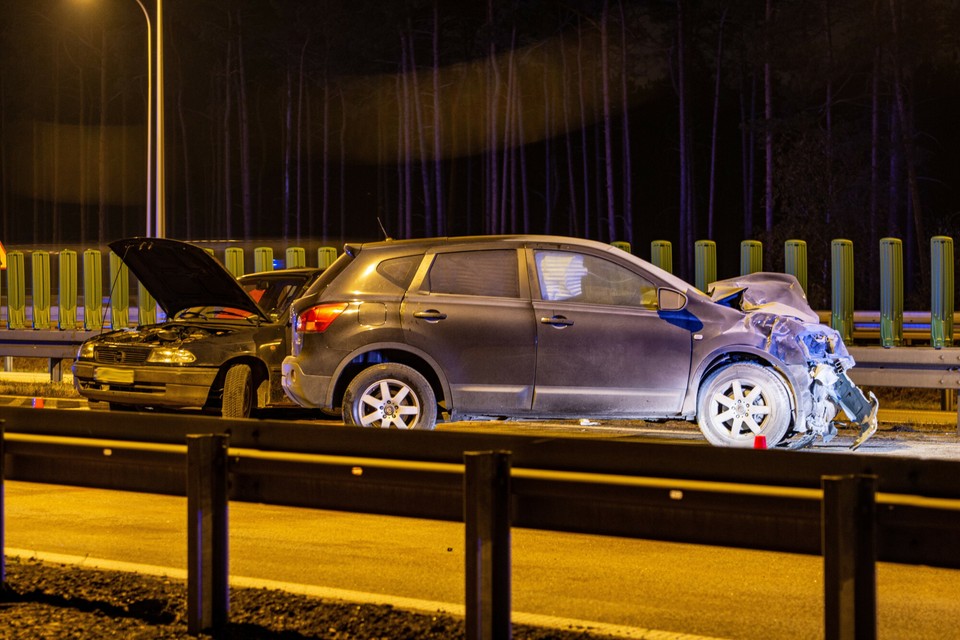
(860,409)
(868,426)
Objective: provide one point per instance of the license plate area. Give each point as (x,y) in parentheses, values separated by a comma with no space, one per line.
(112,375)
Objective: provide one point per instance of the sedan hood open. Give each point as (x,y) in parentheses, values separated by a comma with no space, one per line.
(180,275)
(778,293)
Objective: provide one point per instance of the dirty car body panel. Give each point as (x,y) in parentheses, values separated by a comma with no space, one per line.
(220,347)
(546,326)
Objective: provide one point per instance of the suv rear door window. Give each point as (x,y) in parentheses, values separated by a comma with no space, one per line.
(476,273)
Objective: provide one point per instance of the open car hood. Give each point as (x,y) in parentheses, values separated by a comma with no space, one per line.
(180,275)
(778,293)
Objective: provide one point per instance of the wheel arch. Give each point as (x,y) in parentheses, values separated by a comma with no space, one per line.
(399,353)
(725,357)
(258,373)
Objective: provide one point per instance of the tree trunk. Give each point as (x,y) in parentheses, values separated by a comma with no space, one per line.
(713,128)
(768,121)
(607,122)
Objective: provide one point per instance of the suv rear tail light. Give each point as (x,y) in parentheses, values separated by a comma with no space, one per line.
(317,319)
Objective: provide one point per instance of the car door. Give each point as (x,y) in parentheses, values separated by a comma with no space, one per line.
(603,347)
(470,311)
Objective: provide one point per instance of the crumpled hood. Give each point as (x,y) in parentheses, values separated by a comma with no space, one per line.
(776,293)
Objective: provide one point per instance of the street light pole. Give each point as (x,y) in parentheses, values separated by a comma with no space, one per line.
(156,202)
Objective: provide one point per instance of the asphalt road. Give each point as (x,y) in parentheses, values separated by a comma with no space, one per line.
(628,587)
(631,588)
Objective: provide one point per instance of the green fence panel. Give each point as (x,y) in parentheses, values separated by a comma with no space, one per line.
(263,259)
(941,291)
(40,289)
(92,290)
(326,256)
(16,291)
(751,257)
(234,261)
(705,263)
(146,306)
(661,254)
(67,290)
(841,316)
(891,292)
(296,257)
(795,261)
(119,293)
(625,246)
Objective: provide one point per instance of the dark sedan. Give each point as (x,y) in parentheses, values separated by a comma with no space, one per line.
(220,347)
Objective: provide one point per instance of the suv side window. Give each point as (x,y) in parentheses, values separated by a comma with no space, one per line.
(476,273)
(400,271)
(578,277)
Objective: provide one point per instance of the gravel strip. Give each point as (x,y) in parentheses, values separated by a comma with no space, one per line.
(49,601)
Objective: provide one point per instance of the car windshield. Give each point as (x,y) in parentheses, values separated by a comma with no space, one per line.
(273,294)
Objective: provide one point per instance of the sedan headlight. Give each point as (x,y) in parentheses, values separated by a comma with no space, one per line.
(86,351)
(171,356)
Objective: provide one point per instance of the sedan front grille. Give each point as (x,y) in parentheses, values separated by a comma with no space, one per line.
(121,355)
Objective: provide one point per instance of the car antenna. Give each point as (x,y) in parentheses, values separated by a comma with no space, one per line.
(386,236)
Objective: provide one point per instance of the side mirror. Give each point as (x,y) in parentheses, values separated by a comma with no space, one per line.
(670,299)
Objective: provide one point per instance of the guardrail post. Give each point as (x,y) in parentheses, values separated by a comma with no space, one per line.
(92,290)
(623,246)
(233,258)
(849,557)
(119,293)
(40,289)
(326,256)
(751,257)
(795,261)
(146,306)
(16,291)
(67,290)
(841,317)
(207,566)
(296,257)
(486,494)
(705,263)
(661,254)
(941,291)
(891,292)
(263,259)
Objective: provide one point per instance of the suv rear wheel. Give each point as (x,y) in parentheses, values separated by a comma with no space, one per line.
(389,396)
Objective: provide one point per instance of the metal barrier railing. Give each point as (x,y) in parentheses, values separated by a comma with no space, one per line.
(774,500)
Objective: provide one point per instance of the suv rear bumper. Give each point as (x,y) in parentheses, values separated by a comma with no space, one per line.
(304,389)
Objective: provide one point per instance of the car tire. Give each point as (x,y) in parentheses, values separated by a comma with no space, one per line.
(390,396)
(237,392)
(741,401)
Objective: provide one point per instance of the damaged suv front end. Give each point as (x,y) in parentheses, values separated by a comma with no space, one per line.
(814,355)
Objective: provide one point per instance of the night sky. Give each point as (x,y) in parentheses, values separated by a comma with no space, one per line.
(307,121)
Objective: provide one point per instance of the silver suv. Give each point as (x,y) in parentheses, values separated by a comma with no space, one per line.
(398,333)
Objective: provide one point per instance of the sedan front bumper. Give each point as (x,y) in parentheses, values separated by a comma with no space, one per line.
(144,386)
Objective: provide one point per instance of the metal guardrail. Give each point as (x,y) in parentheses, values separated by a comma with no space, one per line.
(775,500)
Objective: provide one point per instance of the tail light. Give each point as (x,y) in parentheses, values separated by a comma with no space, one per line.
(317,319)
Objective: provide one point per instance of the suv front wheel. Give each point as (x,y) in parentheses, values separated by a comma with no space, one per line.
(389,396)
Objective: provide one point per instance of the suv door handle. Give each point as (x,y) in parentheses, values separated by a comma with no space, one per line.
(557,321)
(430,315)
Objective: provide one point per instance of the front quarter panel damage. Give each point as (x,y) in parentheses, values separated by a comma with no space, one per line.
(818,359)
